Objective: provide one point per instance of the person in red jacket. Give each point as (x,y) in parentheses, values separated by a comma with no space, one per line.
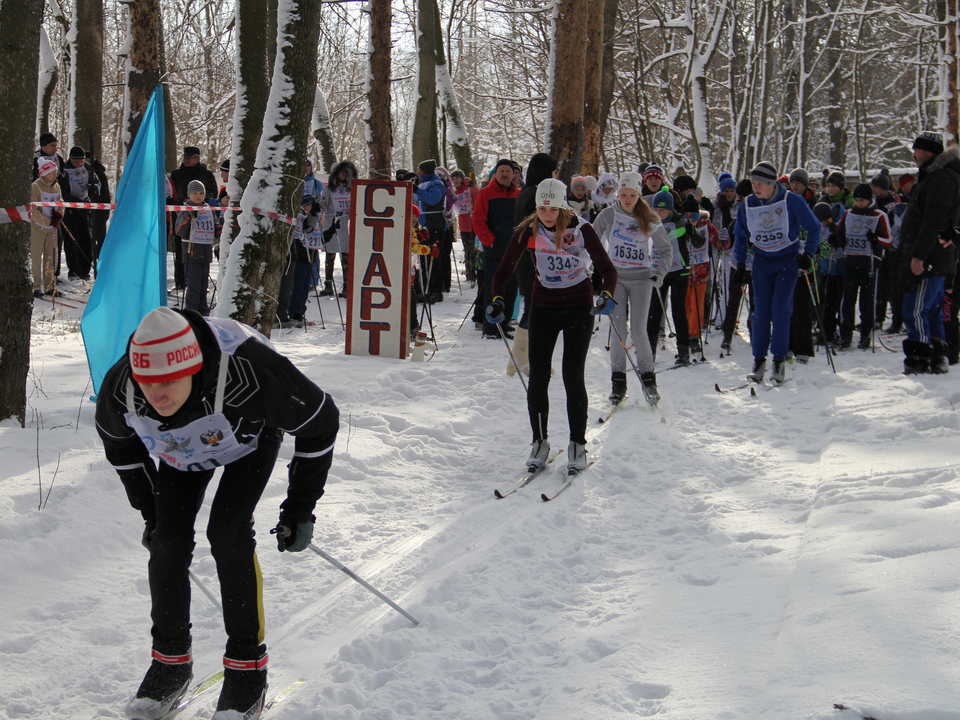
(493,223)
(466,193)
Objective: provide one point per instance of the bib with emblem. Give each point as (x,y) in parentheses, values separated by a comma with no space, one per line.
(769,226)
(564,267)
(628,246)
(856,229)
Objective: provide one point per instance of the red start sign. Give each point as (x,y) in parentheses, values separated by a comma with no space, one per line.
(378,291)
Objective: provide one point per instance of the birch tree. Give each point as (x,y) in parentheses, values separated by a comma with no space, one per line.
(257,256)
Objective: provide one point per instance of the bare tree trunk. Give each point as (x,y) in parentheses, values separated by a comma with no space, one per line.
(380,126)
(171,154)
(564,138)
(258,255)
(323,132)
(608,71)
(143,64)
(46,84)
(87,106)
(253,91)
(953,116)
(424,144)
(19,69)
(593,90)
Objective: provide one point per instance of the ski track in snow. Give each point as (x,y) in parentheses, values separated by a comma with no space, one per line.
(752,557)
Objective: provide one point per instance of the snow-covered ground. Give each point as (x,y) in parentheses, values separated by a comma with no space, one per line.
(751,557)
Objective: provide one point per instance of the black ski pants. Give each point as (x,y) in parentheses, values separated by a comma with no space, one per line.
(546,325)
(676,282)
(177,498)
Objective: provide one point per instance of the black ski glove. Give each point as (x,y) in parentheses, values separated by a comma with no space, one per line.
(805,261)
(149,525)
(293,536)
(835,240)
(740,274)
(496,311)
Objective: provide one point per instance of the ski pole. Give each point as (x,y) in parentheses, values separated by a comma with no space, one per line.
(663,308)
(336,295)
(626,352)
(343,568)
(608,338)
(816,305)
(316,294)
(513,359)
(467,315)
(456,267)
(203,589)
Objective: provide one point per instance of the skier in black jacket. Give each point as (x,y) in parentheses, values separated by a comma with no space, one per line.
(926,261)
(201,394)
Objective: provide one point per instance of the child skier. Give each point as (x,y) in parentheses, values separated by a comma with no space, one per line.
(770,219)
(196,230)
(641,252)
(682,236)
(335,203)
(862,232)
(563,246)
(200,394)
(43,227)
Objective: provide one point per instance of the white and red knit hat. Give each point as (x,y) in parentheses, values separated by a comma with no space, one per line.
(164,348)
(46,165)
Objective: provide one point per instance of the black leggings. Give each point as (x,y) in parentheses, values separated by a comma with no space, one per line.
(546,325)
(177,497)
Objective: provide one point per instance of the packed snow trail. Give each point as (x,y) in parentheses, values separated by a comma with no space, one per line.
(758,557)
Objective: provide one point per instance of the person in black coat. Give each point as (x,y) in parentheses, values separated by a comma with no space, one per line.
(926,260)
(188,397)
(190,169)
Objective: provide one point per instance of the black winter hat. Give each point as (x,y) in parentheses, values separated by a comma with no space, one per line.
(428,166)
(683,184)
(190,151)
(77,153)
(744,188)
(800,175)
(47,138)
(882,180)
(863,192)
(929,141)
(642,167)
(822,212)
(764,172)
(225,165)
(459,174)
(690,205)
(503,161)
(836,178)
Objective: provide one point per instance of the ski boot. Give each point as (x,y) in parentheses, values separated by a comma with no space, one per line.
(619,391)
(244,689)
(649,382)
(683,354)
(163,687)
(726,344)
(939,365)
(327,289)
(576,458)
(540,451)
(864,343)
(779,373)
(759,370)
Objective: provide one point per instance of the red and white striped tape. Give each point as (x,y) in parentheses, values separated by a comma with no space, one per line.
(15,214)
(22,212)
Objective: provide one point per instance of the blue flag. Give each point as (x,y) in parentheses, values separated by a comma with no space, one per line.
(132,270)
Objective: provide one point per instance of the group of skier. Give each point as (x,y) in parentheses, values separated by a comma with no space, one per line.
(192,394)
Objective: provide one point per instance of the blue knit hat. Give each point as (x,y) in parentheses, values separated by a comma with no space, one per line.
(728,183)
(663,201)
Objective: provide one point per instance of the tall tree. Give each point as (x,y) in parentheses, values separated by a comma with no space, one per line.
(46,83)
(323,132)
(142,65)
(455,131)
(379,124)
(592,91)
(564,136)
(19,70)
(425,144)
(86,111)
(257,257)
(252,93)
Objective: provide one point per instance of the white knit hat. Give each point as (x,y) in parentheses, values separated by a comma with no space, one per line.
(45,165)
(632,181)
(164,348)
(552,193)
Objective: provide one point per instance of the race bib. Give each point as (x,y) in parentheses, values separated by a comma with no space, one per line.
(856,228)
(564,267)
(769,226)
(202,231)
(628,246)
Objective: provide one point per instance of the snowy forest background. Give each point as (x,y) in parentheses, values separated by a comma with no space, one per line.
(704,86)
